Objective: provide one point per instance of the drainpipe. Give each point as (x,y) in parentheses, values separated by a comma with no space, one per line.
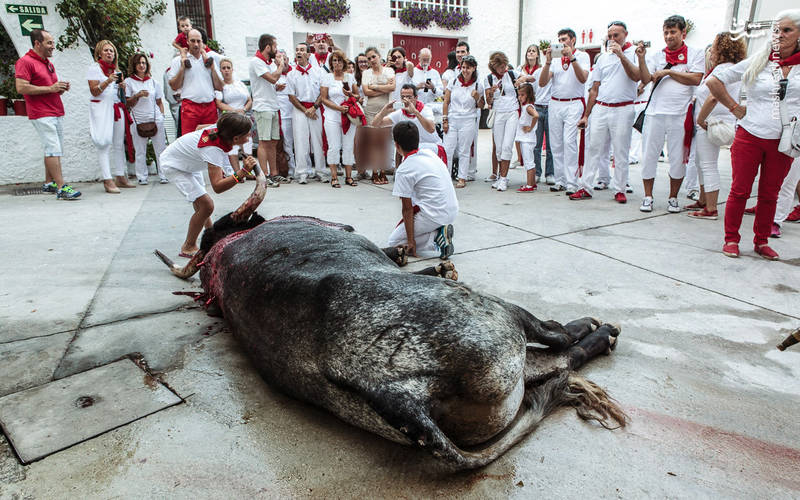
(519,32)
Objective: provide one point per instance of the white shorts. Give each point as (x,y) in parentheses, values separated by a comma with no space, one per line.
(190,184)
(51,133)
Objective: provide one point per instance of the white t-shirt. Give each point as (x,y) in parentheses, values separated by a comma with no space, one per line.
(447,77)
(146,109)
(424,179)
(265,97)
(397,116)
(284,104)
(185,155)
(505,98)
(304,86)
(198,85)
(615,86)
(762,118)
(234,94)
(565,84)
(400,79)
(96,73)
(542,93)
(336,93)
(462,104)
(701,93)
(420,76)
(525,120)
(312,58)
(671,97)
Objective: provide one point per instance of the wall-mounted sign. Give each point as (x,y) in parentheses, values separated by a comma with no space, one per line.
(29,23)
(13,8)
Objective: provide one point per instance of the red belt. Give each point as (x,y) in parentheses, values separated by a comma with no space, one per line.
(615,104)
(307,105)
(640,102)
(566,100)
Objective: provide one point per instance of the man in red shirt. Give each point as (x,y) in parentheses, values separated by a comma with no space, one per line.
(37,81)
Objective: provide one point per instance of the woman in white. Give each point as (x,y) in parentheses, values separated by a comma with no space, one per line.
(463,95)
(234,98)
(378,84)
(724,53)
(501,96)
(107,115)
(526,136)
(338,91)
(145,103)
(452,69)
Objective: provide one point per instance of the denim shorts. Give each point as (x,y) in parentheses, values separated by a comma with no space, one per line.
(51,132)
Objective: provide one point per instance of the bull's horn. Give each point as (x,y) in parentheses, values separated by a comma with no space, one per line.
(186,271)
(254,200)
(789,341)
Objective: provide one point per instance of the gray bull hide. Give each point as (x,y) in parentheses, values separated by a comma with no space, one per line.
(329,318)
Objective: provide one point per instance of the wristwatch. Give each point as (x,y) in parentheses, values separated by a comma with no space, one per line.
(573,59)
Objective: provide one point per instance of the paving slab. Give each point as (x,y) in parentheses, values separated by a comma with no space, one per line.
(54,416)
(29,363)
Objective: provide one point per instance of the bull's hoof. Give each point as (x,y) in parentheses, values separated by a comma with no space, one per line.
(613,333)
(447,270)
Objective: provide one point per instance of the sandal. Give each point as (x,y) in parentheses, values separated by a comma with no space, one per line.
(350,181)
(384,180)
(335,183)
(695,206)
(376,178)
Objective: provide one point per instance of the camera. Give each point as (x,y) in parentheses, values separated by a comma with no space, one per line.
(644,43)
(556,47)
(397,105)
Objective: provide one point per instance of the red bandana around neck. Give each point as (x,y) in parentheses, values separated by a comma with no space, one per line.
(419,107)
(530,69)
(626,46)
(469,83)
(419,67)
(321,58)
(675,57)
(789,61)
(136,77)
(302,70)
(207,140)
(262,57)
(108,68)
(412,152)
(401,70)
(287,68)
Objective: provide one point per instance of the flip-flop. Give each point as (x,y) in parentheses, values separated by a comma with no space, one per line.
(186,255)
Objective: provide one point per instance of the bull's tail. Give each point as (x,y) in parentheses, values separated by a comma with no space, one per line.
(186,271)
(592,402)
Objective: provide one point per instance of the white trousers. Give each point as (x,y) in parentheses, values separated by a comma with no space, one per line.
(657,128)
(458,142)
(337,141)
(425,230)
(635,154)
(706,156)
(609,126)
(503,132)
(288,139)
(562,140)
(787,192)
(140,146)
(473,160)
(307,132)
(113,153)
(528,159)
(692,180)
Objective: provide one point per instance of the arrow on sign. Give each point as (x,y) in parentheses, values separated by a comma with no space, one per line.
(13,9)
(30,25)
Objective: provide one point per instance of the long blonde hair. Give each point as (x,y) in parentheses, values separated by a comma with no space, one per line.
(758,61)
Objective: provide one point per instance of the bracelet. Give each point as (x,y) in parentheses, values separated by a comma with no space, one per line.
(236,178)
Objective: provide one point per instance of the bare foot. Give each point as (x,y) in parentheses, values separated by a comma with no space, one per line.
(122,182)
(188,252)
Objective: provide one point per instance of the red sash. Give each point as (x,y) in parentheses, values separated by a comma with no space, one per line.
(688,132)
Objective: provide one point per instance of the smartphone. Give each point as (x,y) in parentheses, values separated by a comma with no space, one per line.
(427,81)
(119,76)
(556,47)
(346,86)
(397,105)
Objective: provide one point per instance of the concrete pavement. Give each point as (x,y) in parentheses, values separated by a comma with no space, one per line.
(712,402)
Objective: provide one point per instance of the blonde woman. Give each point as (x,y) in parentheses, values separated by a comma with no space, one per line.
(501,96)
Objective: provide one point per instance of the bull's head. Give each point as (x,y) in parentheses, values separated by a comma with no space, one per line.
(242,218)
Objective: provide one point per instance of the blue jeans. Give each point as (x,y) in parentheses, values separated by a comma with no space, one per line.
(542,125)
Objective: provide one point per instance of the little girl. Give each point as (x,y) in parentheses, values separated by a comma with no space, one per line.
(185,159)
(526,135)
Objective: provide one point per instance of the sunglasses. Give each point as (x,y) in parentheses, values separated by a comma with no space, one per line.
(50,67)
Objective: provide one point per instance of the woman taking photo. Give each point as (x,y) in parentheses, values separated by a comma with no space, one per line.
(147,109)
(462,98)
(339,94)
(234,98)
(108,116)
(378,83)
(758,135)
(501,96)
(723,53)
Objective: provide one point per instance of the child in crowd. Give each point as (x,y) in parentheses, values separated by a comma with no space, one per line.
(526,135)
(185,159)
(181,41)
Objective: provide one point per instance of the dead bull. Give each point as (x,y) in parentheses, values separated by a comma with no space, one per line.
(329,318)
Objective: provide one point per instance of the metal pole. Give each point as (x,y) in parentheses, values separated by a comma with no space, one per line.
(519,32)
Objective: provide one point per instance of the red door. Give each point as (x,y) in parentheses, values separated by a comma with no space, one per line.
(439,48)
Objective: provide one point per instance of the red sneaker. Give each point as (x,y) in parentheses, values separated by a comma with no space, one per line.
(750,211)
(582,194)
(794,216)
(776,231)
(766,252)
(731,249)
(620,197)
(526,189)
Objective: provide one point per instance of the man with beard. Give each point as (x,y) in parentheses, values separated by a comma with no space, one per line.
(265,70)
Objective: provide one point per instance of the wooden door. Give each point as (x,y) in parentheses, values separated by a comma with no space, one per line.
(439,48)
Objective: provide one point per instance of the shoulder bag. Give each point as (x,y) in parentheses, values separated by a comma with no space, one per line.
(639,123)
(790,131)
(148,129)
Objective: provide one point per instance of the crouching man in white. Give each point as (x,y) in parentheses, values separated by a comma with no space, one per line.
(428,198)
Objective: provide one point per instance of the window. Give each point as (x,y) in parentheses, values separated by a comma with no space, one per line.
(199,11)
(395,6)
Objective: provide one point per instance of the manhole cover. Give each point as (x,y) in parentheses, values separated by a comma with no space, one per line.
(27,191)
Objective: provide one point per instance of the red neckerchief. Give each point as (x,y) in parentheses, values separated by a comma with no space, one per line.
(499,77)
(402,70)
(107,68)
(626,46)
(531,70)
(206,140)
(469,83)
(413,151)
(419,107)
(789,61)
(140,79)
(302,70)
(321,60)
(287,68)
(262,57)
(419,67)
(677,56)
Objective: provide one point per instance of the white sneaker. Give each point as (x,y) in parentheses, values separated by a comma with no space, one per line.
(628,188)
(496,183)
(550,180)
(490,178)
(142,182)
(470,178)
(303,179)
(647,204)
(502,183)
(694,195)
(600,185)
(163,181)
(672,206)
(514,164)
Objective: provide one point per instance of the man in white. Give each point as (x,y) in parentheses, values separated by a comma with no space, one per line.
(196,83)
(428,199)
(675,72)
(285,107)
(566,108)
(266,68)
(322,55)
(418,114)
(303,83)
(427,79)
(614,77)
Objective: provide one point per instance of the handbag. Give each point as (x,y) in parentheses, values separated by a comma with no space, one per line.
(148,129)
(790,131)
(638,124)
(719,132)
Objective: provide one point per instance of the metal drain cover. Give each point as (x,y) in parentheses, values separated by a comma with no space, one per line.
(28,191)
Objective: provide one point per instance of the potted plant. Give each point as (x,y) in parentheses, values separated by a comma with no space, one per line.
(8,94)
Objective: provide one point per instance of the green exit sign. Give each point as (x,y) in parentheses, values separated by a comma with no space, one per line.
(13,8)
